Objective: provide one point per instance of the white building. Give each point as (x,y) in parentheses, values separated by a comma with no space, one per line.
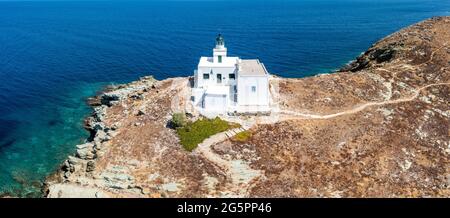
(230,85)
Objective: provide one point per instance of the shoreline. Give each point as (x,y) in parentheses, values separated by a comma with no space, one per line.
(86,153)
(86,157)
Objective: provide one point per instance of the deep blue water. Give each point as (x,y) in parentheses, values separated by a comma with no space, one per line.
(55,54)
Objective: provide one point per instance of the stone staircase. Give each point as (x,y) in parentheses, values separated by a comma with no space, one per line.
(219,137)
(232,132)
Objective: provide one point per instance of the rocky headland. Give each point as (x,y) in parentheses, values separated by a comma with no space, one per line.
(377,128)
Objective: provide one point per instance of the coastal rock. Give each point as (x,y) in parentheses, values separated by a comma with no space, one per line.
(373,130)
(98,126)
(94,101)
(149,78)
(372,56)
(73,160)
(98,146)
(135,90)
(110,99)
(99,113)
(67,167)
(90,166)
(86,151)
(118,180)
(101,136)
(74,191)
(137,96)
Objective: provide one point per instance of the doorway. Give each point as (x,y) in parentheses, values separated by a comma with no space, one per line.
(219,78)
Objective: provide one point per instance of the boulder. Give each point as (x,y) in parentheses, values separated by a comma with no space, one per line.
(73,160)
(147,78)
(383,54)
(140,113)
(90,166)
(137,96)
(101,136)
(118,180)
(98,146)
(86,151)
(99,113)
(94,101)
(69,190)
(98,126)
(67,167)
(114,126)
(66,174)
(110,99)
(372,56)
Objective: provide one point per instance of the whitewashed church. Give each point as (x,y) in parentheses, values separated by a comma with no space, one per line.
(230,85)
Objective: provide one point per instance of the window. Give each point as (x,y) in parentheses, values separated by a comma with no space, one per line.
(220,58)
(219,78)
(205,76)
(253,88)
(235,93)
(232,76)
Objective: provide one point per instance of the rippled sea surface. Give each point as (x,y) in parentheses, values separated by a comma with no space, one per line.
(55,54)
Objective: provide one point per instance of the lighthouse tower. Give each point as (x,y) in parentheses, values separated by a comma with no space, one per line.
(229,85)
(220,51)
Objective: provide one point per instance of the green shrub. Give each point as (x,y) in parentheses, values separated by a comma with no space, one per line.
(242,136)
(178,120)
(194,133)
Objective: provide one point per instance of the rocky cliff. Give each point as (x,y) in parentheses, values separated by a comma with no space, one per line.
(377,128)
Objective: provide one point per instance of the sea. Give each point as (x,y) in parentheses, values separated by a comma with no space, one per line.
(55,54)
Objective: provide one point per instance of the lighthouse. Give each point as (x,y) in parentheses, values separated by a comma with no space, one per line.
(220,51)
(230,85)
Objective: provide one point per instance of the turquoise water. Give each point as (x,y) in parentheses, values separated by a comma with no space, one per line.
(38,139)
(55,54)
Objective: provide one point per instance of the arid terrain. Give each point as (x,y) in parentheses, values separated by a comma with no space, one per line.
(377,128)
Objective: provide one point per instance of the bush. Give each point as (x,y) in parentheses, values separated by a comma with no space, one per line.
(194,133)
(178,120)
(242,136)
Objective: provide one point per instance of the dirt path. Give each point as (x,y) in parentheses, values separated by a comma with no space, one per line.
(394,74)
(298,115)
(239,173)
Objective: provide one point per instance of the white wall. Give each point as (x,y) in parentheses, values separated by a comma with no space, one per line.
(195,78)
(219,52)
(247,97)
(216,103)
(213,77)
(197,94)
